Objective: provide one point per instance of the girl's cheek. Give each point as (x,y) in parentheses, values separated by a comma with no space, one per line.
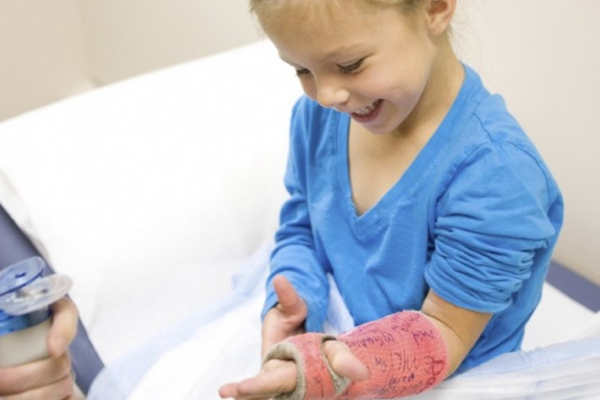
(309,87)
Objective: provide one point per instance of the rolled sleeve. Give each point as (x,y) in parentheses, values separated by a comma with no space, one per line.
(492,220)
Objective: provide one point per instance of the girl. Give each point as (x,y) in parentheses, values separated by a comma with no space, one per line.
(415,189)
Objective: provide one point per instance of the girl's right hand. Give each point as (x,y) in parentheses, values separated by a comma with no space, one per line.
(286,318)
(280,376)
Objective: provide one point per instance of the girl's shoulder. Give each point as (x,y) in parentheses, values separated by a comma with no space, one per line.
(488,114)
(489,139)
(485,121)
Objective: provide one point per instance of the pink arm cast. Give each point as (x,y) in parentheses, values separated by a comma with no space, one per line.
(404,352)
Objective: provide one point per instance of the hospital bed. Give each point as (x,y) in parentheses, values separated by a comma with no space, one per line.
(159,196)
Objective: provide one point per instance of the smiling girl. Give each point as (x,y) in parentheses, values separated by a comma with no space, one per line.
(415,189)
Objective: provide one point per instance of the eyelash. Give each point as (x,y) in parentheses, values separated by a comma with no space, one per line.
(348,69)
(302,72)
(344,69)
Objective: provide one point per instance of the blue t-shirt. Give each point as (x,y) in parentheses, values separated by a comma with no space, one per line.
(475,218)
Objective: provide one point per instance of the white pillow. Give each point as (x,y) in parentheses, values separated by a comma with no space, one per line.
(150,191)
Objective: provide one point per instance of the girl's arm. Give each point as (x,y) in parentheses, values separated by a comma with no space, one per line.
(295,256)
(460,328)
(432,344)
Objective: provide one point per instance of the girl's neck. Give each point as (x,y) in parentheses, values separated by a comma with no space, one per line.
(446,78)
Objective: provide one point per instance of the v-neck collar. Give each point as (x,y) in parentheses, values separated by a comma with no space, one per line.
(409,181)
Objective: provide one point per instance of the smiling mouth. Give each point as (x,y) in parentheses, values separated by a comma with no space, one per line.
(368,109)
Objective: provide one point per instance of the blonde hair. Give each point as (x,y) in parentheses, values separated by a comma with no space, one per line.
(409,9)
(305,8)
(407,6)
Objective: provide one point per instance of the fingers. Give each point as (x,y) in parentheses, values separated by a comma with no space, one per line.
(64,327)
(344,362)
(59,390)
(46,379)
(279,376)
(50,378)
(275,378)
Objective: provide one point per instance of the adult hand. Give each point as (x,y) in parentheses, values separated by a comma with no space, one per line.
(49,378)
(278,377)
(286,318)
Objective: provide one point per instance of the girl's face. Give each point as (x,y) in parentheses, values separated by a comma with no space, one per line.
(374,65)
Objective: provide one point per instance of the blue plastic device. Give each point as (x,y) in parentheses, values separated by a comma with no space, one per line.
(25,296)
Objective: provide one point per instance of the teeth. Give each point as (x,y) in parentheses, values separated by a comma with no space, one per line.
(367,109)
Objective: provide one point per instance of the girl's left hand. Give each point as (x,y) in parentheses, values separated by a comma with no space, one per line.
(278,377)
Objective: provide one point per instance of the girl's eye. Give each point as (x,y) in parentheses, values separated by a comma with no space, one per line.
(348,69)
(302,72)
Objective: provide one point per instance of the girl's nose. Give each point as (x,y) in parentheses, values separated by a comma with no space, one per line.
(331,94)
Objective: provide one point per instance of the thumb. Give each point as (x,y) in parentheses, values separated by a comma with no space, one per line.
(344,362)
(64,327)
(290,303)
(286,318)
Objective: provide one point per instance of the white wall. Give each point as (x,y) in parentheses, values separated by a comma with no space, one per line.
(42,53)
(128,37)
(51,49)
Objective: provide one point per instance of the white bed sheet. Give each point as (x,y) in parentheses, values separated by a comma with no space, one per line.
(151,192)
(221,343)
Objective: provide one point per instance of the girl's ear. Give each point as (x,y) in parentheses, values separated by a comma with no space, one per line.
(439,15)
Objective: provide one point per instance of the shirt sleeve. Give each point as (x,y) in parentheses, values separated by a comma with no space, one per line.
(295,255)
(491,222)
